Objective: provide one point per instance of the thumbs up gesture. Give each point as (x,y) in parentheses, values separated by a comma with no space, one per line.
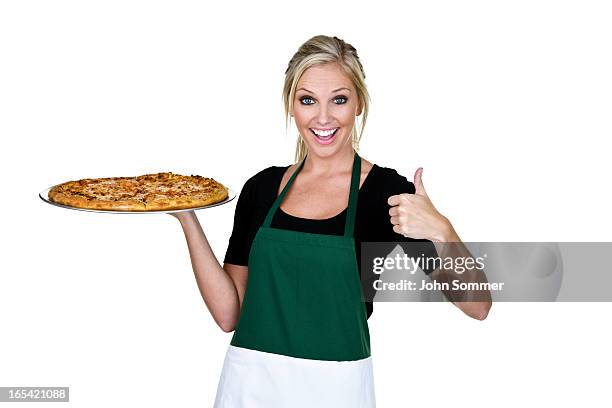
(413,215)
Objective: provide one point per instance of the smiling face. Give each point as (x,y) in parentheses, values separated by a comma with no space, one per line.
(324,109)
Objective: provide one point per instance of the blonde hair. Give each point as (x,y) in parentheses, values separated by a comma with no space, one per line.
(322,49)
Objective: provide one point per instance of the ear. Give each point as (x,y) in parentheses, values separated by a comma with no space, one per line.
(359,109)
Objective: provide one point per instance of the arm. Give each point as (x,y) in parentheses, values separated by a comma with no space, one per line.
(449,245)
(222,288)
(413,215)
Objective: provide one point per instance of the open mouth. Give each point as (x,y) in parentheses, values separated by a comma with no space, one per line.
(324,136)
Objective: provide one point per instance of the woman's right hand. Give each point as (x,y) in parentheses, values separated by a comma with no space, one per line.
(183,215)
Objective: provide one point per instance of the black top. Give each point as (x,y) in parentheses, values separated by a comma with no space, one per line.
(372,221)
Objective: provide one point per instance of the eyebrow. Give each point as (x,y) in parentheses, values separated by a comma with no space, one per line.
(335,90)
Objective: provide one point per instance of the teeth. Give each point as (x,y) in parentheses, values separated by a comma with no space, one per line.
(324,133)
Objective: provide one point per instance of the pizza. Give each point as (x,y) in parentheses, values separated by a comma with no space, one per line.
(149,192)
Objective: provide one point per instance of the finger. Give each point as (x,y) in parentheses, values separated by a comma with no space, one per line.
(394,200)
(400,198)
(418,182)
(395,210)
(398,229)
(395,220)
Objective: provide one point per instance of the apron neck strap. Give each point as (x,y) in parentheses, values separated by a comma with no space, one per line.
(349,225)
(279,199)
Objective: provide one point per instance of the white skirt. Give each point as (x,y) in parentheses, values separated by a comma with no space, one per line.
(256,379)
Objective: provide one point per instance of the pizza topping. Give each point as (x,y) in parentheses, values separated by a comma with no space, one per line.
(156,191)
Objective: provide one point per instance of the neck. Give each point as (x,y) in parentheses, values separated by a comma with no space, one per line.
(329,165)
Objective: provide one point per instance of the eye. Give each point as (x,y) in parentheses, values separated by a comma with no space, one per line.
(304,100)
(342,99)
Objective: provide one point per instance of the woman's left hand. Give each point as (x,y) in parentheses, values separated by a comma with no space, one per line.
(413,215)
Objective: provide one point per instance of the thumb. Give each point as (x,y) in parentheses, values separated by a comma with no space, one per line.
(418,182)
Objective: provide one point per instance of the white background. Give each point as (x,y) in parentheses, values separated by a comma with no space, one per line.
(506,105)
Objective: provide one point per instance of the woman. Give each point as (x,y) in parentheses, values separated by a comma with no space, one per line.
(301,334)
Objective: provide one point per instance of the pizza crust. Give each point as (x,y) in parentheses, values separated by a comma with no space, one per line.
(149,192)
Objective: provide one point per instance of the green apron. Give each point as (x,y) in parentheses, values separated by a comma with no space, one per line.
(303,299)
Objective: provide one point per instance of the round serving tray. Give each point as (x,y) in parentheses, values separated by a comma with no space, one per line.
(44,195)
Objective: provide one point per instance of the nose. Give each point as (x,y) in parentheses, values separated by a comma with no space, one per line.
(323,116)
